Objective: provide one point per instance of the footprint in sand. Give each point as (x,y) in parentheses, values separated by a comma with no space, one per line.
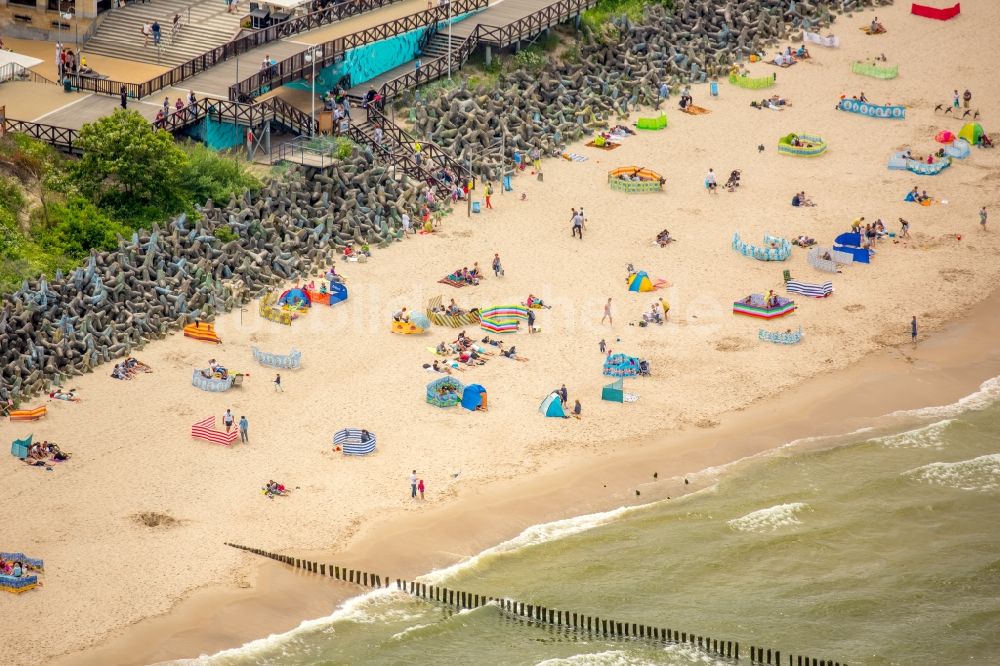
(954,274)
(730,344)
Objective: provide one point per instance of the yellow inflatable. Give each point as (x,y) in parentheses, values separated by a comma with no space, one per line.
(406,328)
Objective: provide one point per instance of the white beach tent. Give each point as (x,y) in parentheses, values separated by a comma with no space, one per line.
(12,64)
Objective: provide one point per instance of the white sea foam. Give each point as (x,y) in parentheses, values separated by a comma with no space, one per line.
(769,519)
(930,436)
(987,394)
(608,658)
(979,474)
(532,536)
(357,609)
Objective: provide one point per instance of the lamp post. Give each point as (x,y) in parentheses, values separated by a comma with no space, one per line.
(314,52)
(449,40)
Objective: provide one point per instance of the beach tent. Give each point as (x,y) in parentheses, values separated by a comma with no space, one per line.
(850,243)
(445,391)
(552,406)
(295,298)
(622,365)
(474,397)
(640,282)
(971,132)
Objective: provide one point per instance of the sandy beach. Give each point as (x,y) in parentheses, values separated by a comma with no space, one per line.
(717,394)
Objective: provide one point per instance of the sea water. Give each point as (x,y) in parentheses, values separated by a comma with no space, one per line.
(881,548)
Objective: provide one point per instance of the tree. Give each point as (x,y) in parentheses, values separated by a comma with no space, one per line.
(129,164)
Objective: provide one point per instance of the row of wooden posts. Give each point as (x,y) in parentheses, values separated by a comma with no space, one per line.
(541,615)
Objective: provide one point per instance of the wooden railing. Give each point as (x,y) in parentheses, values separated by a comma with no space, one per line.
(502,36)
(231,49)
(299,65)
(431,69)
(532,24)
(60,137)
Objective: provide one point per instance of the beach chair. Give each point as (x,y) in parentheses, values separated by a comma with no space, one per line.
(787,275)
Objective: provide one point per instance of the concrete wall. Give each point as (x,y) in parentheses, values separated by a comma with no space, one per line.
(40,26)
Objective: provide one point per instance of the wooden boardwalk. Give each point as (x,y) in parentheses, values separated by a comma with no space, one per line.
(497,15)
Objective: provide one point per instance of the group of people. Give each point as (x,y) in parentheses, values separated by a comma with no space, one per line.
(67,63)
(800,199)
(564,399)
(129,368)
(274,489)
(918,196)
(15,568)
(41,452)
(180,107)
(789,57)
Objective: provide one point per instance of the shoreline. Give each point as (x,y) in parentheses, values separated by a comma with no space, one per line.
(943,368)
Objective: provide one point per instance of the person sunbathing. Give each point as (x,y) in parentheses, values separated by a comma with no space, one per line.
(438,367)
(535,302)
(52,449)
(69,395)
(490,341)
(512,353)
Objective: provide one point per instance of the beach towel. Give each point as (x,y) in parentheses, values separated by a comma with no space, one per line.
(695,110)
(453,281)
(867,29)
(830,41)
(607,145)
(573,157)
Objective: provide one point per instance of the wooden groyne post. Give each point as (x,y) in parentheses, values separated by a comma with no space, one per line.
(542,615)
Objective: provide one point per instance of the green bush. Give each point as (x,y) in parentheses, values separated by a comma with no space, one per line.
(75,227)
(225,234)
(128,166)
(598,18)
(208,175)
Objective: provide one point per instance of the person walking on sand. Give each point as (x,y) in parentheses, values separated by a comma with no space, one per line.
(904,228)
(277,383)
(710,183)
(607,313)
(982,218)
(954,100)
(913,330)
(497,268)
(578,224)
(563,395)
(966,98)
(487,193)
(227,419)
(602,345)
(413,484)
(420,488)
(244,430)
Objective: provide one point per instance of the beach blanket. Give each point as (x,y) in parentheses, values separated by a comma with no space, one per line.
(573,157)
(608,145)
(830,41)
(867,29)
(452,280)
(695,110)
